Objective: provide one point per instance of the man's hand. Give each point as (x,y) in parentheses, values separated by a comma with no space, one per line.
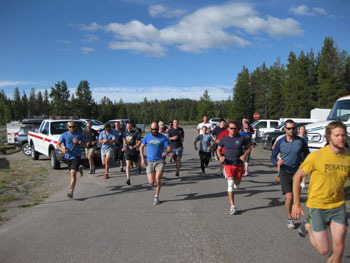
(279,163)
(296,210)
(64,150)
(164,154)
(143,163)
(222,159)
(75,140)
(242,158)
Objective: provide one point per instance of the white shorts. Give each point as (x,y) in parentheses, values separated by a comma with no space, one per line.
(107,153)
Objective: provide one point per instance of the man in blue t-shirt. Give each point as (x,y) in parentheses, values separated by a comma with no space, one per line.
(155,143)
(106,139)
(72,140)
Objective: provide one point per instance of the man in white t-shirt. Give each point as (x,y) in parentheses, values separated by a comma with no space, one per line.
(204,123)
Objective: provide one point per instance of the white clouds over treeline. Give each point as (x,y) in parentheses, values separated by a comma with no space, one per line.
(304,10)
(206,28)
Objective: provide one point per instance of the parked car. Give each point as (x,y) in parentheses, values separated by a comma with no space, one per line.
(21,138)
(96,124)
(214,122)
(268,139)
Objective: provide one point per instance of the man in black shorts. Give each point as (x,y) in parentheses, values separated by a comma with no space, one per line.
(131,140)
(176,137)
(118,146)
(72,140)
(91,137)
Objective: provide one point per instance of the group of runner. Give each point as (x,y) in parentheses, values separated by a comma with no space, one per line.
(329,167)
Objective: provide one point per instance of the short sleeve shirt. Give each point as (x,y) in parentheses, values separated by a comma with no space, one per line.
(200,126)
(155,146)
(119,137)
(108,136)
(205,142)
(180,135)
(90,136)
(233,149)
(247,135)
(328,175)
(130,139)
(73,148)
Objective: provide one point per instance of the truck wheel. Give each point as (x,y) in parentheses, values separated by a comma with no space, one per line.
(34,154)
(26,149)
(55,164)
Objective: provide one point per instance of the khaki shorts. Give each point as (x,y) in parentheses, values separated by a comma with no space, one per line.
(107,153)
(319,219)
(90,151)
(152,167)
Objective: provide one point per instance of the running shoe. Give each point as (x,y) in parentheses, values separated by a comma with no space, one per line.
(106,176)
(156,201)
(177,174)
(81,170)
(216,158)
(233,210)
(121,169)
(90,172)
(128,182)
(236,186)
(219,173)
(93,170)
(302,185)
(290,223)
(277,180)
(302,230)
(139,170)
(246,173)
(70,195)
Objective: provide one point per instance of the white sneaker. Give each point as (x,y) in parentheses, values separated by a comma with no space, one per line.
(302,185)
(156,201)
(235,186)
(290,223)
(233,210)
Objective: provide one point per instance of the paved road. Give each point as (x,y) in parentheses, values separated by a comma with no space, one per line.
(111,222)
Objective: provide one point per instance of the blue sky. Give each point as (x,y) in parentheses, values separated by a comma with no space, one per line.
(132,49)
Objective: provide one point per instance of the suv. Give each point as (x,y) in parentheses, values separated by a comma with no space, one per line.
(214,122)
(21,138)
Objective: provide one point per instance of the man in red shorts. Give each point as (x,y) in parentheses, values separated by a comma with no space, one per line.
(233,159)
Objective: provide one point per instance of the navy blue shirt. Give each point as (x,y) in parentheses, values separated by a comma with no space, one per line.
(292,153)
(233,149)
(118,134)
(130,140)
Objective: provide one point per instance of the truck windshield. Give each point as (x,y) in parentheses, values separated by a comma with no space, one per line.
(61,127)
(340,111)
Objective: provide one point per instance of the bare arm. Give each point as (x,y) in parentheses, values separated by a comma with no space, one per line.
(141,154)
(296,210)
(59,147)
(218,152)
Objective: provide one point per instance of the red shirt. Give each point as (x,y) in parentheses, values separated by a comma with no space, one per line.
(220,136)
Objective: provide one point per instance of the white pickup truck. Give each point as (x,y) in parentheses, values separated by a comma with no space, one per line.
(262,126)
(44,141)
(316,131)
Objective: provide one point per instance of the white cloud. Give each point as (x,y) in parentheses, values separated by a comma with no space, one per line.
(304,10)
(89,38)
(206,28)
(86,50)
(162,11)
(11,83)
(137,94)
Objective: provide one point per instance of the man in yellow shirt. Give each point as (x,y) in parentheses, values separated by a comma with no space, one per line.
(329,168)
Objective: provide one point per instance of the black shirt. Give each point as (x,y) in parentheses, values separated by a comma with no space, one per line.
(233,149)
(180,135)
(90,136)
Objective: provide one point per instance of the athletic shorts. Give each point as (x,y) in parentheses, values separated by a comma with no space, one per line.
(177,152)
(118,154)
(319,219)
(234,171)
(152,167)
(132,156)
(286,181)
(74,164)
(90,151)
(107,153)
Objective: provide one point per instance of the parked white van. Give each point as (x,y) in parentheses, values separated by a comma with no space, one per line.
(316,131)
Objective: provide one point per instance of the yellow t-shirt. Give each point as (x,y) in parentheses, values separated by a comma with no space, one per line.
(328,174)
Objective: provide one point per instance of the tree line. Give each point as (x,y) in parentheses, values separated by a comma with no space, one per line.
(292,90)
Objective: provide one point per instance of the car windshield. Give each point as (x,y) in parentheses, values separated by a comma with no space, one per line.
(340,111)
(97,122)
(60,127)
(280,126)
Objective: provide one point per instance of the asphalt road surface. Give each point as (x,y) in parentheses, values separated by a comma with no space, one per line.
(109,221)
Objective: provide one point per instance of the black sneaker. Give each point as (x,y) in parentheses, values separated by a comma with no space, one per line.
(81,170)
(70,195)
(128,182)
(91,171)
(302,230)
(121,169)
(177,174)
(139,170)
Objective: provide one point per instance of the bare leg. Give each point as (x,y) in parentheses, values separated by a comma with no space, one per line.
(73,180)
(338,232)
(288,203)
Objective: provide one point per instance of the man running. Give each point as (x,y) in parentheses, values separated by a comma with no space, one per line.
(155,142)
(292,150)
(176,137)
(248,135)
(106,139)
(204,123)
(90,136)
(72,140)
(118,146)
(131,141)
(215,133)
(233,159)
(205,144)
(329,168)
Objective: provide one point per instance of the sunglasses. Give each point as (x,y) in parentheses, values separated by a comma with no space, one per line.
(154,129)
(71,126)
(290,128)
(233,128)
